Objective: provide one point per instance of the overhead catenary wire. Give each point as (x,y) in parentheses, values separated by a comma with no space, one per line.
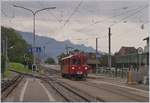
(57,19)
(128,16)
(99,37)
(120,14)
(10,18)
(4,13)
(137,11)
(74,11)
(71,15)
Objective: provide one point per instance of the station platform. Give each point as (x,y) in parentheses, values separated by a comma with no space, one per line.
(117,81)
(30,90)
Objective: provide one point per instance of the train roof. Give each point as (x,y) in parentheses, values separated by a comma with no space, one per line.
(67,57)
(72,55)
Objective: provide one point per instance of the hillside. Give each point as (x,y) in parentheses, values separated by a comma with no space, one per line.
(52,47)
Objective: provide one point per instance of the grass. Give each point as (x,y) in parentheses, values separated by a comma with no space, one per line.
(17,67)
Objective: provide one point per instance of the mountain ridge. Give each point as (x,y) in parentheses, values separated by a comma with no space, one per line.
(53,48)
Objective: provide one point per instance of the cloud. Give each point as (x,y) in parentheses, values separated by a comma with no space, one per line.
(91,20)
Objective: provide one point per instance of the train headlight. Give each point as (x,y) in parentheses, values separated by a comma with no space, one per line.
(86,68)
(73,68)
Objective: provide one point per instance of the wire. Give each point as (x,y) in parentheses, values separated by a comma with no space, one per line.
(109,18)
(75,10)
(99,37)
(129,15)
(51,13)
(10,18)
(4,13)
(68,19)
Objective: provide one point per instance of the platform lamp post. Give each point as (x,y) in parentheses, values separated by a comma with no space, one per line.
(34,14)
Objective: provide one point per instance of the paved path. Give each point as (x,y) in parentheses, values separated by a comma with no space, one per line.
(30,90)
(118,81)
(35,91)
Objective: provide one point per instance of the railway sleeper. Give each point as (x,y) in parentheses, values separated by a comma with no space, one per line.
(78,92)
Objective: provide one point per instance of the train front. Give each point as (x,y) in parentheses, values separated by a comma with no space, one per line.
(79,68)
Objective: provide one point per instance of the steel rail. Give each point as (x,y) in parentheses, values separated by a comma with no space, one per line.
(55,83)
(7,89)
(84,96)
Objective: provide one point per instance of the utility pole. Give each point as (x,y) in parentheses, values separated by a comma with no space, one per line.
(34,48)
(96,54)
(3,47)
(109,42)
(6,52)
(34,14)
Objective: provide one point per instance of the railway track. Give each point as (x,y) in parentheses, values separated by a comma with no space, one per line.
(8,86)
(69,93)
(113,90)
(116,90)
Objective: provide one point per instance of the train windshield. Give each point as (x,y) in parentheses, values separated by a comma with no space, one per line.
(76,62)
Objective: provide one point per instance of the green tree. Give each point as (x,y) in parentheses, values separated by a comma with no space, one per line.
(62,55)
(76,50)
(104,60)
(16,45)
(50,61)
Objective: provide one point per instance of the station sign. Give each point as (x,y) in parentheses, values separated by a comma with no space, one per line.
(35,49)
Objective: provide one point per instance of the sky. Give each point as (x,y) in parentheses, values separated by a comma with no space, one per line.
(81,21)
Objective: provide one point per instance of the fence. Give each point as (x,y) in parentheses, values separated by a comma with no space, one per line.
(113,72)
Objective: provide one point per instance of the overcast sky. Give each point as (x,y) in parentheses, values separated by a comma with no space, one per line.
(81,21)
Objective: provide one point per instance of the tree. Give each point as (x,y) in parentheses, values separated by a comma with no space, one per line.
(50,61)
(16,46)
(76,50)
(59,57)
(104,60)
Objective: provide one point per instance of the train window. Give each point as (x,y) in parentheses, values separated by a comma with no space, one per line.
(76,62)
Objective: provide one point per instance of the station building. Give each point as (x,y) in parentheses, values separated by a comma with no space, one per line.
(127,56)
(92,61)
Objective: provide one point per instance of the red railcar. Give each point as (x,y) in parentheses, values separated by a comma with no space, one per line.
(74,66)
